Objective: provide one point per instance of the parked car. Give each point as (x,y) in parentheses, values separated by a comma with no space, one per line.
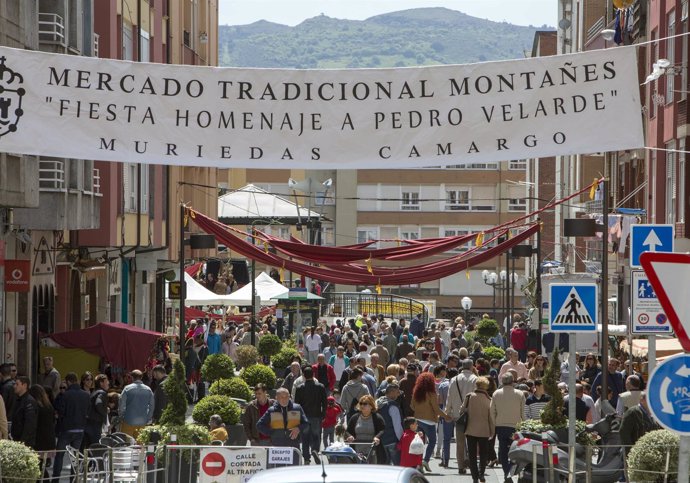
(339,474)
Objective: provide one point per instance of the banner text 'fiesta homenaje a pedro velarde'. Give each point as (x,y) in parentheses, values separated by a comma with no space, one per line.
(81,107)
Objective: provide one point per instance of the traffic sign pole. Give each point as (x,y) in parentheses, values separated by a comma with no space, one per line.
(651,353)
(572,399)
(684,460)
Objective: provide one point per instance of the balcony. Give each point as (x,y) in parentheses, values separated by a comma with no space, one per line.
(69,197)
(51,29)
(18,181)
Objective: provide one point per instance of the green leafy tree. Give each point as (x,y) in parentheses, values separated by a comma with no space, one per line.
(270,345)
(175,388)
(247,355)
(647,459)
(552,414)
(486,329)
(257,373)
(18,463)
(217,366)
(235,387)
(224,406)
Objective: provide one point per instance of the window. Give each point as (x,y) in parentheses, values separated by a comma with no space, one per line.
(328,235)
(670,55)
(365,234)
(684,53)
(681,177)
(409,234)
(483,166)
(127,41)
(145,48)
(324,198)
(671,183)
(132,185)
(458,200)
(517,204)
(410,201)
(448,231)
(517,164)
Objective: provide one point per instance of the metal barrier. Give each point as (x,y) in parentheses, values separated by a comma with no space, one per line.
(543,459)
(349,304)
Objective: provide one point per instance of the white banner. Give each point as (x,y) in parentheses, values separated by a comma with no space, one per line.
(81,107)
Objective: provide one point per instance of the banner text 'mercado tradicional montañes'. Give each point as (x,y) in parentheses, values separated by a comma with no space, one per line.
(81,107)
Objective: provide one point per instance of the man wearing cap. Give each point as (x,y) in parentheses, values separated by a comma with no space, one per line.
(389,409)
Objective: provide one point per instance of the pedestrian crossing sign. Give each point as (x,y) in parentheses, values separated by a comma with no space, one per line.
(574,307)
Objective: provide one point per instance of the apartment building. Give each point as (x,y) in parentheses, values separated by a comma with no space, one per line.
(43,201)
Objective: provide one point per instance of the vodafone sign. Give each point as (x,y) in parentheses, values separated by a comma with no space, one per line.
(17,275)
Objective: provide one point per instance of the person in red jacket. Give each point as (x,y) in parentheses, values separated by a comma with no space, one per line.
(324,373)
(410,431)
(518,340)
(333,410)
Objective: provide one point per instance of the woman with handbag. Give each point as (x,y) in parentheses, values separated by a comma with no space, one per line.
(427,412)
(479,427)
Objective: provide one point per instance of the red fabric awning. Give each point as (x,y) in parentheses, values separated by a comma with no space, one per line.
(120,344)
(358,274)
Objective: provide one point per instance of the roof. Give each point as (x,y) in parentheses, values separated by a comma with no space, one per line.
(266,289)
(242,206)
(197,294)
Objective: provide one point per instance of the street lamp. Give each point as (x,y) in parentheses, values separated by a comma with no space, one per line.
(467,305)
(491,278)
(254,308)
(309,186)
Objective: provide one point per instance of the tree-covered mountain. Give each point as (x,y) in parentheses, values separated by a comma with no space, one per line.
(422,36)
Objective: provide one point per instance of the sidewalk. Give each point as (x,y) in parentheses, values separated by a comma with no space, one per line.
(450,474)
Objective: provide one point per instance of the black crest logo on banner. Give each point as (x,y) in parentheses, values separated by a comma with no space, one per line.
(10,98)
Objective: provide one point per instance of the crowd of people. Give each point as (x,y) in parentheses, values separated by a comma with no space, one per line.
(77,411)
(372,381)
(366,381)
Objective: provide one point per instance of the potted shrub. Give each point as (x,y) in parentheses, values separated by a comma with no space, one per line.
(647,459)
(552,415)
(259,373)
(247,355)
(536,426)
(217,366)
(492,352)
(486,329)
(172,428)
(282,359)
(269,345)
(18,463)
(228,410)
(234,388)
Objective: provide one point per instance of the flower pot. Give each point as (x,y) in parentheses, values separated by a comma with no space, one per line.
(236,435)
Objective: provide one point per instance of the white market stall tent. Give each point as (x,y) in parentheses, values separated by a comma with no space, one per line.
(266,290)
(197,294)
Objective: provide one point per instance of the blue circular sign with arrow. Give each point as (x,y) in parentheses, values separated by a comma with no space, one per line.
(668,393)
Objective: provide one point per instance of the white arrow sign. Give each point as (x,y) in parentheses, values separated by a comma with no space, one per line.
(666,405)
(683,371)
(652,241)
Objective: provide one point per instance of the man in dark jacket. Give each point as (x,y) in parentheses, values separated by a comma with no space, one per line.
(253,412)
(284,421)
(25,416)
(390,411)
(403,349)
(160,398)
(636,422)
(72,410)
(98,410)
(7,387)
(312,397)
(417,326)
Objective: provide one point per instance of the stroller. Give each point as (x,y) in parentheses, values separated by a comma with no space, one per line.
(342,453)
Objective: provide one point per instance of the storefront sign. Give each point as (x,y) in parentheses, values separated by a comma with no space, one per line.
(17,275)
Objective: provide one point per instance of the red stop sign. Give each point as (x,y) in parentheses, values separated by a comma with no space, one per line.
(213,464)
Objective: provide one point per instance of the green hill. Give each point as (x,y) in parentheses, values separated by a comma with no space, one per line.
(423,36)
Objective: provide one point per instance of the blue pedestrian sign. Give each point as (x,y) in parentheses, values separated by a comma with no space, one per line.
(668,393)
(573,307)
(649,238)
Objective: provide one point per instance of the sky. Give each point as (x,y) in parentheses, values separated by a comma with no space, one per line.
(293,12)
